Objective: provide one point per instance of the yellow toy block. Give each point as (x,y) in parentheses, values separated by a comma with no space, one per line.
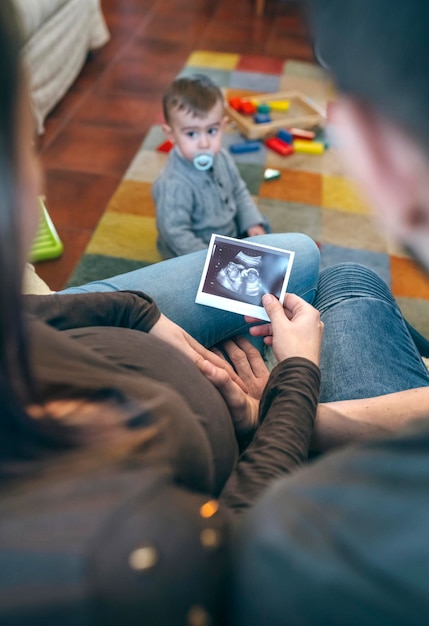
(279,105)
(308,147)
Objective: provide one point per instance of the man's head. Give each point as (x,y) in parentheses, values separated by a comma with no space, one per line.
(194,116)
(378,52)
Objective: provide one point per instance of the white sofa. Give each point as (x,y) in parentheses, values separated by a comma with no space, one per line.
(58,34)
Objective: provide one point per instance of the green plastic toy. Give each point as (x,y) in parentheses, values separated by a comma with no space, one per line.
(46,244)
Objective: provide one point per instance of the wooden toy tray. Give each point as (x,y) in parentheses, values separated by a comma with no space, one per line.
(302,112)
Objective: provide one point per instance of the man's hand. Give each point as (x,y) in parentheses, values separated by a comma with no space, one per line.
(250,367)
(295,328)
(173,334)
(248,363)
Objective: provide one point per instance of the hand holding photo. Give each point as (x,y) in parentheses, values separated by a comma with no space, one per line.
(237,273)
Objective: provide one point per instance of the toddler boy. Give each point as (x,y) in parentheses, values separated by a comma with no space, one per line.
(200,190)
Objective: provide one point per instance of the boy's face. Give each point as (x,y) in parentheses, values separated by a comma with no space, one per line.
(196,135)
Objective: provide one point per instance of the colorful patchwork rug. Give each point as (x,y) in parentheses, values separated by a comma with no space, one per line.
(313,194)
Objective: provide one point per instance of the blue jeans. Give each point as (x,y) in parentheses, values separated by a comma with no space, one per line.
(173,284)
(367,349)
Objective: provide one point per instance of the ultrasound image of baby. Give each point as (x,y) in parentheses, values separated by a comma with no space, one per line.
(241,275)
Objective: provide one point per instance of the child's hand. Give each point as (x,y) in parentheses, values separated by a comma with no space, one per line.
(253,231)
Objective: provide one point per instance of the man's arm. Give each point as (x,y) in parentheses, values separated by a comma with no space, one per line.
(341,541)
(347,421)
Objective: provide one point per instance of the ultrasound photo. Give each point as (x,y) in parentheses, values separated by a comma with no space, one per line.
(237,273)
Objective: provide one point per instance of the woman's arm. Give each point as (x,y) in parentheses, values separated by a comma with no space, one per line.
(343,422)
(126,309)
(289,401)
(282,440)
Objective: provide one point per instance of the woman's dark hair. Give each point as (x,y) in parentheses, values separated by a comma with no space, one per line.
(18,433)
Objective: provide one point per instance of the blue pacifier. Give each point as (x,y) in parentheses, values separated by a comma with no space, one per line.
(203,161)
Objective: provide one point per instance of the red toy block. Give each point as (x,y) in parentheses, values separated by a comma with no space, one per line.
(298,133)
(279,146)
(247,108)
(165,147)
(235,103)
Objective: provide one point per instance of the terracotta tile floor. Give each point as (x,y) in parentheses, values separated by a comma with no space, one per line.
(94,132)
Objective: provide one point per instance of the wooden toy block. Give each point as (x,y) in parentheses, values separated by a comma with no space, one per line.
(165,147)
(247,108)
(245,146)
(302,112)
(308,147)
(262,118)
(263,108)
(279,105)
(299,133)
(285,135)
(235,103)
(279,146)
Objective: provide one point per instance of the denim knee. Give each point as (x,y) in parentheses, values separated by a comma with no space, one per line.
(346,281)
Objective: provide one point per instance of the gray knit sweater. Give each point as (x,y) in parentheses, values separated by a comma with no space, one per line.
(191,205)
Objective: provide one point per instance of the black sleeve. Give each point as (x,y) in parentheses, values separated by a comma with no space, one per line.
(126,309)
(281,443)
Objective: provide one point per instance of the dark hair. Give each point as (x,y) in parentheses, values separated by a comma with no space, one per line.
(18,433)
(378,51)
(197,94)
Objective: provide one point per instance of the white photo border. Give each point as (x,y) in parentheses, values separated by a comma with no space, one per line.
(221,248)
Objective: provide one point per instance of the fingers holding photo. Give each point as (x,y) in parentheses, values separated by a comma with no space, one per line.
(296,328)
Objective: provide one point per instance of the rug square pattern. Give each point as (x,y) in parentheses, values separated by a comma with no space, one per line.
(260,64)
(154,138)
(313,194)
(208,59)
(252,174)
(133,197)
(351,230)
(408,280)
(340,193)
(146,166)
(294,185)
(121,235)
(218,75)
(258,82)
(293,217)
(380,263)
(306,70)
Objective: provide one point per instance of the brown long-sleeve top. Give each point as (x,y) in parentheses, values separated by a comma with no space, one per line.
(87,342)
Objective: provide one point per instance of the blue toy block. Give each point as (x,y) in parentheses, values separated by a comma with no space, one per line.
(246,146)
(261,118)
(285,136)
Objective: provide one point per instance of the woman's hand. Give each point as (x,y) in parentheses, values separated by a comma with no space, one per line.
(295,328)
(173,334)
(252,371)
